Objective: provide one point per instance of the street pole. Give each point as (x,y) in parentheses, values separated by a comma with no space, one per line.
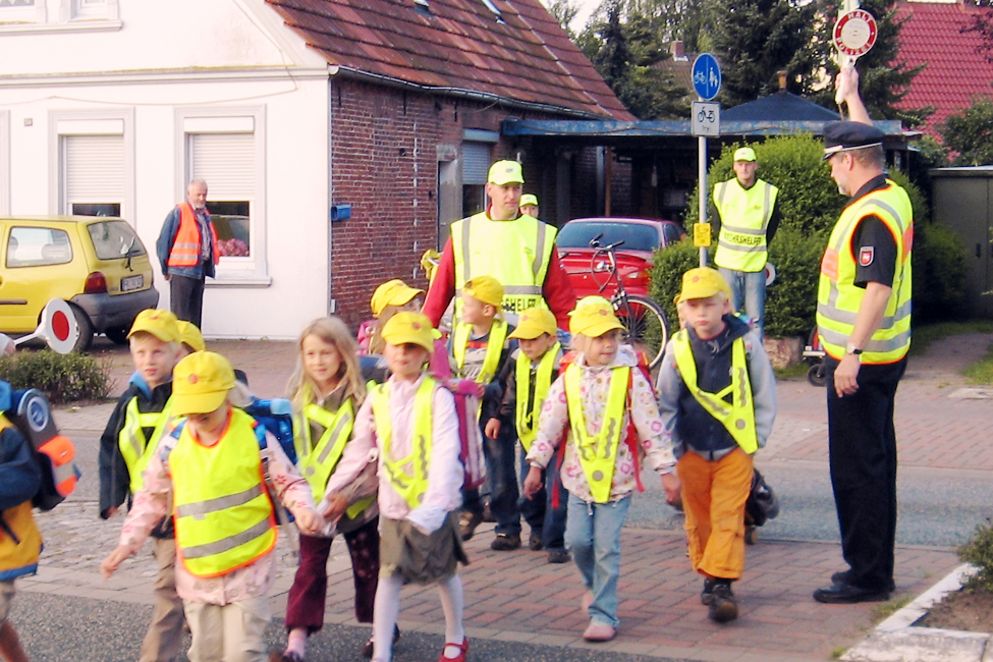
(702,173)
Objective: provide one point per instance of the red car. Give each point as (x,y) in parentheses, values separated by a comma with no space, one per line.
(641,237)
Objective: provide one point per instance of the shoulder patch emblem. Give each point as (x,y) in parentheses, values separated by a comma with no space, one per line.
(866,255)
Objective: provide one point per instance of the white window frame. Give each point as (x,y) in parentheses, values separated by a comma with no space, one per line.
(4,162)
(36,13)
(92,9)
(231,271)
(62,16)
(65,123)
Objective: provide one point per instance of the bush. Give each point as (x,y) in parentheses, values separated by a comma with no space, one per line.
(667,275)
(939,274)
(791,301)
(978,551)
(61,377)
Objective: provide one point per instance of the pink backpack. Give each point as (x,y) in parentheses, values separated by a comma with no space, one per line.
(468,396)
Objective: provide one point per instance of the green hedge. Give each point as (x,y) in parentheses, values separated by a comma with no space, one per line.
(939,274)
(61,377)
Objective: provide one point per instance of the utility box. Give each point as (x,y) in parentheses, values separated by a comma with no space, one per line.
(962,201)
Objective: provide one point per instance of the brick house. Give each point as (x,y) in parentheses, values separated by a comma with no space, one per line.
(338,137)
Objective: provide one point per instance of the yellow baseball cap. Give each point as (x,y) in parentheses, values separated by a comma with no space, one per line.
(159,323)
(702,283)
(190,335)
(744,154)
(407,327)
(529,199)
(485,288)
(392,293)
(533,322)
(593,317)
(505,172)
(200,383)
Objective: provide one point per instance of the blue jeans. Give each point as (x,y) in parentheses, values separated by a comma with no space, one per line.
(501,475)
(593,535)
(748,293)
(540,512)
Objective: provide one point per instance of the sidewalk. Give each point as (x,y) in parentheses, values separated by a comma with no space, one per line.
(516,596)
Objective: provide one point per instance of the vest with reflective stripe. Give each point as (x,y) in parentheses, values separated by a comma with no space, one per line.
(517,253)
(527,419)
(224,517)
(317,461)
(408,475)
(745,214)
(20,540)
(131,440)
(598,452)
(494,348)
(738,417)
(185,250)
(839,300)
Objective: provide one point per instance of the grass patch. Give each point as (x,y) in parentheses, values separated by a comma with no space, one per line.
(923,336)
(883,611)
(838,652)
(981,372)
(796,371)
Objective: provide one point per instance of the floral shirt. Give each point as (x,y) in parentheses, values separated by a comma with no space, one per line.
(594,386)
(154,501)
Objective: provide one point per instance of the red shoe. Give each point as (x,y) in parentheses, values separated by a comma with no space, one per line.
(463,651)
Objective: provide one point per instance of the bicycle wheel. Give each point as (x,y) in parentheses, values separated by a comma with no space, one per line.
(645,326)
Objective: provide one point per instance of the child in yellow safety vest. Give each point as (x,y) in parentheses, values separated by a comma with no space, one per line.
(139,420)
(326,390)
(602,406)
(388,299)
(408,427)
(481,347)
(526,378)
(717,397)
(217,473)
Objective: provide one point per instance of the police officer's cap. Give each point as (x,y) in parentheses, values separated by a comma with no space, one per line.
(847,136)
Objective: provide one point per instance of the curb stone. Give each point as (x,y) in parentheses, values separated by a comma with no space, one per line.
(896,639)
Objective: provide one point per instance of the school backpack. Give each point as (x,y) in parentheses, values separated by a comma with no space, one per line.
(762,503)
(55,454)
(276,416)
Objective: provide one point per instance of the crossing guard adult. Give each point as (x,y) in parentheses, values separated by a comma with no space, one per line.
(516,249)
(747,209)
(863,320)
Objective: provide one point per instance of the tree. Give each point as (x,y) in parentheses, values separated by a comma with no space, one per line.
(982,22)
(970,133)
(564,11)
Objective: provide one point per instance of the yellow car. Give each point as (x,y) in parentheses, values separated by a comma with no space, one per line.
(97,264)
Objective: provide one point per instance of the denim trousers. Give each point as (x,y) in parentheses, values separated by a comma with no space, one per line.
(541,512)
(593,536)
(501,475)
(748,294)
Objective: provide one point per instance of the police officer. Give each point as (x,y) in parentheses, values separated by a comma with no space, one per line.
(747,210)
(863,320)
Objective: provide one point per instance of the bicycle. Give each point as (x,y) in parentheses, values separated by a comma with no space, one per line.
(645,324)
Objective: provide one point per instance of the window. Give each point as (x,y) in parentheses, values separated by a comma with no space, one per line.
(225,149)
(4,162)
(475,166)
(22,11)
(114,239)
(59,15)
(94,151)
(38,247)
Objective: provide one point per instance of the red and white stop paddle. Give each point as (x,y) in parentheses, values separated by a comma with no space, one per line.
(58,327)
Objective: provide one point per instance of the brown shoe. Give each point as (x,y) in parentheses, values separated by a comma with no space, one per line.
(505,542)
(723,605)
(467,524)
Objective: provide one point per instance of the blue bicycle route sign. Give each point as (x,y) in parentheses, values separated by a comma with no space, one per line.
(706,76)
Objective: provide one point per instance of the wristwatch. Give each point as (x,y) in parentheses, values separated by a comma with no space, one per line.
(850,348)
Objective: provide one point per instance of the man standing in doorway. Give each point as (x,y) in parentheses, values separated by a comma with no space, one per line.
(863,320)
(746,209)
(187,250)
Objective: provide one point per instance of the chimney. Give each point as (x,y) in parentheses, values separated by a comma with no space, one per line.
(782,79)
(678,50)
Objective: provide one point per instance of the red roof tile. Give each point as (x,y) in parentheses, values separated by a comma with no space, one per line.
(459,45)
(955,72)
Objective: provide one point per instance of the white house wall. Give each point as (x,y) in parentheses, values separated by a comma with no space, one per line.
(168,66)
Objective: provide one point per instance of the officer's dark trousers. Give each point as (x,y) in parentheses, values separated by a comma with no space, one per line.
(186,298)
(862,444)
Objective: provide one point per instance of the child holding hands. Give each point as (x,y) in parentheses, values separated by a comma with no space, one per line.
(408,426)
(218,473)
(606,408)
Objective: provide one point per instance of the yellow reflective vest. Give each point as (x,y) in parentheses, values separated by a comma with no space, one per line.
(20,540)
(598,452)
(517,253)
(745,215)
(224,517)
(738,417)
(839,300)
(317,461)
(135,448)
(408,474)
(494,348)
(526,418)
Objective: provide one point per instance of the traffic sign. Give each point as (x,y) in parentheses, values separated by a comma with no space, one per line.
(706,76)
(705,118)
(855,33)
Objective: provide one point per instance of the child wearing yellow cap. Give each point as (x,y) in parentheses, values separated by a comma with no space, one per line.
(128,442)
(481,349)
(526,378)
(217,474)
(708,366)
(411,421)
(190,338)
(389,298)
(604,408)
